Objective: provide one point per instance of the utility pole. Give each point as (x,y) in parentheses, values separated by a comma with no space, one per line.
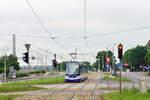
(28,47)
(103,62)
(120,53)
(107,56)
(14,45)
(98,64)
(46,60)
(5,60)
(120,76)
(113,59)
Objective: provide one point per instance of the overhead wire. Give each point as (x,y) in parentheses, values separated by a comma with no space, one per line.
(73,37)
(43,25)
(43,50)
(117,32)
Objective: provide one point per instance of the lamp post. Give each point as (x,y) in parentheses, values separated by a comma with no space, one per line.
(113,61)
(5,65)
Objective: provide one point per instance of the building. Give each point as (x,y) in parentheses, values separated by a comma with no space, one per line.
(148,45)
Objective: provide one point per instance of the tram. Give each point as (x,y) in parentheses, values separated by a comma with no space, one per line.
(76,72)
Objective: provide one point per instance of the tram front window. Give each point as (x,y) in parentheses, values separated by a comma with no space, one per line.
(72,68)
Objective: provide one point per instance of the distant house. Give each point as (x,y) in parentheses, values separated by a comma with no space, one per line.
(148,44)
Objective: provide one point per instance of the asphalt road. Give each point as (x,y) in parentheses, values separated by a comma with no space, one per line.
(137,76)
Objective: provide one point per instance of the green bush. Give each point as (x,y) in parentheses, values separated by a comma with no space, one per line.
(21,74)
(37,72)
(116,79)
(25,74)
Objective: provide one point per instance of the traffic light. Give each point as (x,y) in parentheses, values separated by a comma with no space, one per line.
(26,57)
(120,51)
(54,62)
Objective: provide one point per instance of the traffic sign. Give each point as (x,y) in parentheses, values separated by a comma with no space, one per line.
(126,64)
(108,60)
(27,46)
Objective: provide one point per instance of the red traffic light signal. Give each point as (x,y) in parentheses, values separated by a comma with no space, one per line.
(120,51)
(26,57)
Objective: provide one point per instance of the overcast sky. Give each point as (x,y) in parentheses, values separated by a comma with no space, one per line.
(65,19)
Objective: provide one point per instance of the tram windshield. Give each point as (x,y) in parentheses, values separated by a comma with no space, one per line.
(72,68)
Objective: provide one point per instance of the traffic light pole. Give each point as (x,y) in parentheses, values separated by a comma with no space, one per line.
(120,53)
(120,77)
(28,47)
(28,66)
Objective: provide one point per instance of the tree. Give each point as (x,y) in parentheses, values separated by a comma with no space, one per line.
(10,61)
(147,57)
(94,65)
(101,61)
(62,66)
(135,56)
(87,64)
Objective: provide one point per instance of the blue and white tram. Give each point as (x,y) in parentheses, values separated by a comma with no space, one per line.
(75,72)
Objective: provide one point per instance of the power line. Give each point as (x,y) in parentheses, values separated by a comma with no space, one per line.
(43,25)
(74,37)
(117,32)
(38,18)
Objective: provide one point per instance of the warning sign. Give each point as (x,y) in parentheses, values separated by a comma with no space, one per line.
(108,60)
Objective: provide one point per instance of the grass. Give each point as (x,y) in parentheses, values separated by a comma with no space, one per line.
(132,94)
(9,97)
(116,79)
(53,73)
(23,86)
(52,80)
(5,88)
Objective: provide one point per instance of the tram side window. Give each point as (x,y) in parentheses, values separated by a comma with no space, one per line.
(83,69)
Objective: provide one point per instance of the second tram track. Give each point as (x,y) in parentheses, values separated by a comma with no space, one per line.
(92,93)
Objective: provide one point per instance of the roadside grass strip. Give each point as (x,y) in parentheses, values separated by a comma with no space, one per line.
(5,89)
(9,97)
(132,94)
(25,86)
(52,80)
(116,79)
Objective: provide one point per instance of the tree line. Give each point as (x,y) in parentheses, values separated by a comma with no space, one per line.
(9,61)
(136,58)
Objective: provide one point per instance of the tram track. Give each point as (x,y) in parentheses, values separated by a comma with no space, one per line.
(54,93)
(91,93)
(86,90)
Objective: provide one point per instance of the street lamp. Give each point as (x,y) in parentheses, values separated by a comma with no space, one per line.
(113,62)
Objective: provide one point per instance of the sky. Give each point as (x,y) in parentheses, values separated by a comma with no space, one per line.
(108,23)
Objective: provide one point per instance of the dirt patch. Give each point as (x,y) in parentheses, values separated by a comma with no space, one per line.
(58,97)
(109,88)
(44,97)
(86,97)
